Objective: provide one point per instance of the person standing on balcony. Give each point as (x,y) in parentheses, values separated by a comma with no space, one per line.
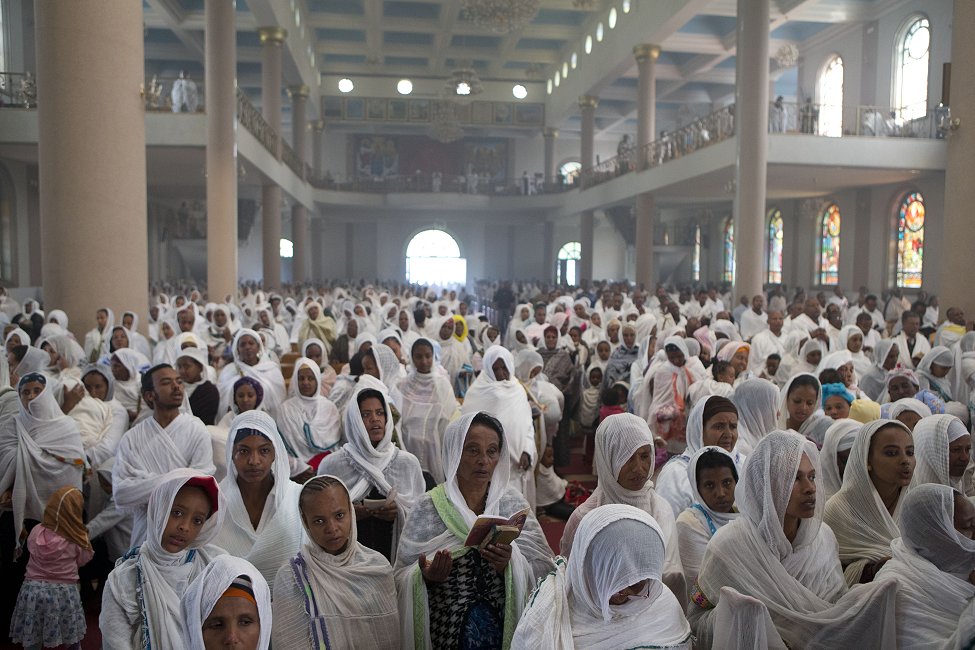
(185,95)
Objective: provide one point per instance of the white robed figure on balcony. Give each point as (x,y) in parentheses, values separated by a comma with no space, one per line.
(185,95)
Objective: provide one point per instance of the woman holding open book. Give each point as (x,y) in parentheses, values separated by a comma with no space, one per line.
(463,569)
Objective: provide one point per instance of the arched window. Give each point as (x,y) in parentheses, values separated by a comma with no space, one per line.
(831,98)
(570,172)
(728,267)
(829,245)
(910,240)
(911,58)
(696,256)
(568,263)
(287,248)
(433,257)
(774,254)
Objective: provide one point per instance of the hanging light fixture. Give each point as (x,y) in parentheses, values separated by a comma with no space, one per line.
(463,81)
(444,123)
(500,16)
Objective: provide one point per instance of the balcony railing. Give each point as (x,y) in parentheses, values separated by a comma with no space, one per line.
(291,159)
(453,183)
(174,95)
(18,90)
(251,119)
(867,121)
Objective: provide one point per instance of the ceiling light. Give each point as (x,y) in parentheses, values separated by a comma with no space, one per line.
(612,18)
(599,32)
(626,6)
(404,87)
(574,60)
(346,85)
(589,44)
(558,78)
(463,81)
(548,87)
(565,70)
(519,91)
(463,88)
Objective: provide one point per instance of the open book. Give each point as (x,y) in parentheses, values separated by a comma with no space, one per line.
(496,530)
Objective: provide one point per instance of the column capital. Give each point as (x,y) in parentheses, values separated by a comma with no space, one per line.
(645,51)
(272,35)
(299,90)
(550,132)
(588,101)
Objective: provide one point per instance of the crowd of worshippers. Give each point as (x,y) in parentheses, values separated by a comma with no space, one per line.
(356,467)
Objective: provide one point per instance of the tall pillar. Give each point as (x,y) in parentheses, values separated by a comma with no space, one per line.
(299,213)
(646,59)
(92,157)
(751,129)
(548,255)
(959,236)
(271,40)
(587,228)
(317,131)
(220,43)
(550,134)
(587,105)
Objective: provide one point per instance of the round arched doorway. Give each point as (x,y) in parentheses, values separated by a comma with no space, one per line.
(433,258)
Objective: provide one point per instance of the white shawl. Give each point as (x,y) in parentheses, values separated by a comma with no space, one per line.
(266,371)
(308,425)
(840,436)
(757,403)
(278,534)
(932,436)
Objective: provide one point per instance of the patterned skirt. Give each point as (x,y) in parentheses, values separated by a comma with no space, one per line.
(48,614)
(467,611)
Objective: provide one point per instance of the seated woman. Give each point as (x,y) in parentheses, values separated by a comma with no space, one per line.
(799,402)
(712,422)
(308,422)
(384,481)
(933,370)
(261,524)
(836,401)
(127,366)
(779,554)
(837,446)
(334,592)
(202,395)
(908,411)
(933,562)
(452,595)
(863,514)
(589,602)
(944,453)
(624,467)
(251,360)
(227,605)
(141,601)
(315,349)
(757,401)
(874,381)
(248,395)
(713,475)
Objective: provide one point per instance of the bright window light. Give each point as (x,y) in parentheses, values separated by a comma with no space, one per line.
(574,60)
(519,91)
(626,6)
(287,248)
(346,85)
(548,87)
(558,78)
(599,32)
(404,87)
(612,18)
(565,70)
(589,44)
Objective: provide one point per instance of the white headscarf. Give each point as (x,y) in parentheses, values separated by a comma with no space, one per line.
(909,404)
(266,371)
(857,515)
(209,586)
(370,460)
(757,403)
(699,507)
(942,356)
(783,416)
(840,436)
(309,425)
(453,447)
(932,437)
(617,546)
(278,534)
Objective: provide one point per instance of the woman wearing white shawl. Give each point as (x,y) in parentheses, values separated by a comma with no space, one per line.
(624,445)
(390,371)
(697,524)
(519,320)
(40,453)
(594,330)
(98,339)
(141,601)
(506,399)
(277,535)
(225,577)
(665,389)
(874,381)
(609,594)
(908,410)
(17,337)
(757,403)
(799,403)
(934,438)
(339,598)
(428,405)
(963,372)
(320,356)
(851,340)
(251,363)
(932,563)
(792,343)
(455,352)
(546,398)
(933,372)
(837,447)
(863,514)
(435,535)
(102,423)
(713,421)
(309,424)
(128,384)
(795,575)
(373,469)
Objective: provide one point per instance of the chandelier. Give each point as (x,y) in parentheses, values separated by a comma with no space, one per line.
(463,81)
(787,56)
(444,124)
(500,16)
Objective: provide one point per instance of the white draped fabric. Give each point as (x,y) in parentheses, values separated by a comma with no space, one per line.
(757,403)
(840,436)
(309,426)
(266,371)
(932,436)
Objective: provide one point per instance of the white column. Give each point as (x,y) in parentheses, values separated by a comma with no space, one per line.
(271,40)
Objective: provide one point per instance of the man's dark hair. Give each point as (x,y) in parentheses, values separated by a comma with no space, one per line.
(147,377)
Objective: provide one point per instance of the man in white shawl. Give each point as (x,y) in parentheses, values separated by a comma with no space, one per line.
(780,554)
(497,392)
(204,618)
(766,342)
(141,601)
(251,360)
(753,320)
(308,422)
(624,459)
(40,452)
(159,444)
(262,523)
(384,482)
(933,562)
(433,566)
(609,594)
(335,592)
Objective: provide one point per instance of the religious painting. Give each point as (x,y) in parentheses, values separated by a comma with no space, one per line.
(530,114)
(487,156)
(375,109)
(397,109)
(502,113)
(482,113)
(419,110)
(829,246)
(355,108)
(910,241)
(376,157)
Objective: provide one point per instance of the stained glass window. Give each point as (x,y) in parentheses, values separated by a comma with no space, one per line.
(910,240)
(696,259)
(831,98)
(829,245)
(775,246)
(911,60)
(729,250)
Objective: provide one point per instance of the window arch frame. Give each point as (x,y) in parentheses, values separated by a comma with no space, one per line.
(830,110)
(775,214)
(897,82)
(570,177)
(728,249)
(828,277)
(439,228)
(571,251)
(901,278)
